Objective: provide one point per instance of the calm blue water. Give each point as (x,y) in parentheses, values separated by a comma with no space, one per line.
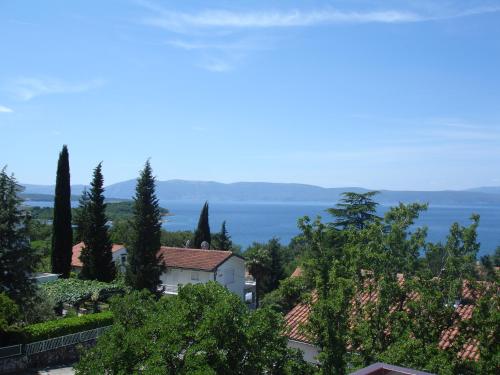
(249,222)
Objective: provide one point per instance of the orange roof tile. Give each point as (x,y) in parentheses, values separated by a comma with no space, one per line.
(77,250)
(204,260)
(299,315)
(297,272)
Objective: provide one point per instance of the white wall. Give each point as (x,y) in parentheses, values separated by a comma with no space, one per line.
(176,276)
(309,351)
(117,258)
(231,274)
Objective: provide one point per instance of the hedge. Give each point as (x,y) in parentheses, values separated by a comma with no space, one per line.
(59,327)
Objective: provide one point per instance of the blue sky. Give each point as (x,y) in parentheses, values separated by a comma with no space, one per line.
(395,94)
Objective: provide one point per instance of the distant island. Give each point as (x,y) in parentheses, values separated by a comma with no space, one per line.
(199,191)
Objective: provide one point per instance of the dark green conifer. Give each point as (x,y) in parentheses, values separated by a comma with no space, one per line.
(222,240)
(96,256)
(17,260)
(82,216)
(144,269)
(202,233)
(62,232)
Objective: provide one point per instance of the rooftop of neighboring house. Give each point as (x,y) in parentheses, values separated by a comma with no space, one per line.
(195,259)
(299,316)
(174,257)
(385,369)
(77,251)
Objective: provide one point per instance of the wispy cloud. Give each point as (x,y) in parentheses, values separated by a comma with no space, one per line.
(27,88)
(225,33)
(4,109)
(184,22)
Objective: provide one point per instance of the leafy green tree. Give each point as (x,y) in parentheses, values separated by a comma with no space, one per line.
(96,255)
(17,260)
(176,239)
(144,268)
(355,209)
(9,312)
(329,270)
(120,231)
(222,240)
(202,233)
(290,291)
(382,252)
(204,330)
(484,329)
(265,264)
(62,232)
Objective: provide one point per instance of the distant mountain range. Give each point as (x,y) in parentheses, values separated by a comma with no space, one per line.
(198,191)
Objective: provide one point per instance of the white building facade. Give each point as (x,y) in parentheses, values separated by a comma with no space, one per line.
(195,266)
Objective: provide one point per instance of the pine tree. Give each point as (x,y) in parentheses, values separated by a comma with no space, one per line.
(81,216)
(96,256)
(222,240)
(62,232)
(144,269)
(202,233)
(17,260)
(355,210)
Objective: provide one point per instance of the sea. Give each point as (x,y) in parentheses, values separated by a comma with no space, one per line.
(249,222)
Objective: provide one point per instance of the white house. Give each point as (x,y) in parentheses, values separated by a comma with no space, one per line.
(189,266)
(194,266)
(119,256)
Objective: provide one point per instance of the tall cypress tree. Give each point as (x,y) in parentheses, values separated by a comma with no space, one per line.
(62,233)
(96,256)
(17,260)
(202,233)
(144,269)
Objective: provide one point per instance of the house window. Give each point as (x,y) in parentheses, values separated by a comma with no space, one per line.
(195,276)
(123,258)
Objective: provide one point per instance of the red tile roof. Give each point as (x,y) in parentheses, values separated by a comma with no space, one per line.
(297,272)
(299,315)
(295,320)
(77,250)
(204,260)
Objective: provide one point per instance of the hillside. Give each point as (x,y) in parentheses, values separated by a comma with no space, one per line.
(198,191)
(114,211)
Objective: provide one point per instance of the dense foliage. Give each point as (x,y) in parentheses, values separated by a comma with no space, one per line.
(144,268)
(266,264)
(75,291)
(222,240)
(176,239)
(378,299)
(63,326)
(62,232)
(114,211)
(9,312)
(204,330)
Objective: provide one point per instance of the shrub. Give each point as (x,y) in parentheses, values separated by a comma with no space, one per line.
(9,311)
(60,327)
(74,291)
